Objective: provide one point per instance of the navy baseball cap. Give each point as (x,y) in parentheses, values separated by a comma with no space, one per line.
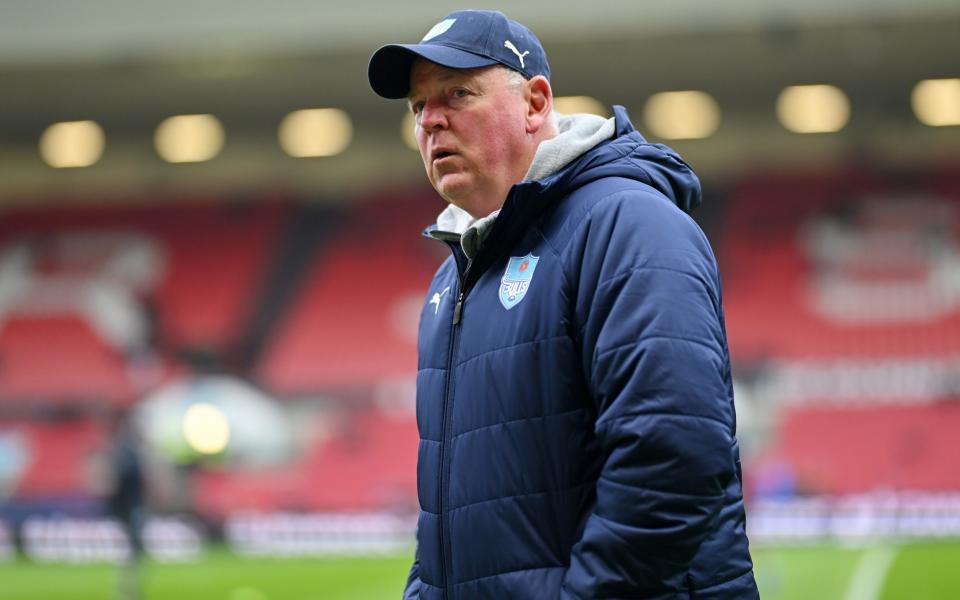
(465,39)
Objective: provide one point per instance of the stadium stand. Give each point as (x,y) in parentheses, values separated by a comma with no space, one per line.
(847,281)
(218,254)
(58,455)
(367,463)
(354,320)
(56,358)
(845,264)
(113,284)
(323,304)
(848,450)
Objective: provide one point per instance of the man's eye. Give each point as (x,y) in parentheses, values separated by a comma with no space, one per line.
(416,107)
(460,93)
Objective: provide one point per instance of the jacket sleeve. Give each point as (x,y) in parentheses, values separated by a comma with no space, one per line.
(655,358)
(412,590)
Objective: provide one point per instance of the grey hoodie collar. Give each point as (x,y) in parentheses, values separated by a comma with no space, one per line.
(576,134)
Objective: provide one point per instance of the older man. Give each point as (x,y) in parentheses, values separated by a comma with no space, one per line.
(574,397)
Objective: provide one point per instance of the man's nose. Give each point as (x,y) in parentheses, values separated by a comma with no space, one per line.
(433,116)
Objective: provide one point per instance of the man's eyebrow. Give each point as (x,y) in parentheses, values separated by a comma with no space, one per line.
(442,76)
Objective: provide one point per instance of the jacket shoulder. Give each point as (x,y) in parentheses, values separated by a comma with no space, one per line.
(630,220)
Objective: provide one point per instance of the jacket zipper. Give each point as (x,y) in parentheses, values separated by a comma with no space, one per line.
(458,309)
(445,553)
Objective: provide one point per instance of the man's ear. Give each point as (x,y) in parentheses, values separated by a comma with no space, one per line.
(539,103)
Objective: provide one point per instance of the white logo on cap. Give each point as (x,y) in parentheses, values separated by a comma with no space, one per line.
(509,46)
(439,28)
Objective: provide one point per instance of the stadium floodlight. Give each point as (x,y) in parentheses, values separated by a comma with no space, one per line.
(682,115)
(206,429)
(192,419)
(813,108)
(936,102)
(571,105)
(71,144)
(189,138)
(315,132)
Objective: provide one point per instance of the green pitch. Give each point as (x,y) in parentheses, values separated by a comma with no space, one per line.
(220,576)
(906,572)
(889,572)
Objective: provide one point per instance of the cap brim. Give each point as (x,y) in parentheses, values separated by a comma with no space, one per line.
(389,69)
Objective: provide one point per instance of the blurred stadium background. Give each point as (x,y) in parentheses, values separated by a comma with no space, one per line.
(209,226)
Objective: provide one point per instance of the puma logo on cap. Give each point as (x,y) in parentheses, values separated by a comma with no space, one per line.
(509,46)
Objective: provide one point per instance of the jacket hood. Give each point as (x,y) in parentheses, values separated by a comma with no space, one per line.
(631,156)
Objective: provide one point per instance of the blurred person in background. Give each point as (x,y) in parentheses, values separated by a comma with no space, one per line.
(574,394)
(127,498)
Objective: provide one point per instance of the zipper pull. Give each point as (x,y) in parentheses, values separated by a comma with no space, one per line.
(457,309)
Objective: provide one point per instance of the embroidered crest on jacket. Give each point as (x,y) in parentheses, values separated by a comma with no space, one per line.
(516,279)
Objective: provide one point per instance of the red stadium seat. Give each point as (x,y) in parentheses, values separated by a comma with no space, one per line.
(198,294)
(59,457)
(775,288)
(59,357)
(850,450)
(355,319)
(368,464)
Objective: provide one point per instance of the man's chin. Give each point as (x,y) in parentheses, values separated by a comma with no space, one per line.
(453,188)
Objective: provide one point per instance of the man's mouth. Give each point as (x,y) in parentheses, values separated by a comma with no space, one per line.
(441,154)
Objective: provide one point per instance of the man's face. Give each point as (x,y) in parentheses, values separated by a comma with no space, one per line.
(471,131)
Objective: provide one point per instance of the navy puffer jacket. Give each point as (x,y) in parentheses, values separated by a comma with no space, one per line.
(574,397)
